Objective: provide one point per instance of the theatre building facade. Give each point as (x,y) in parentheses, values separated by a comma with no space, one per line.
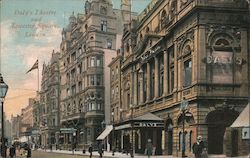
(181,51)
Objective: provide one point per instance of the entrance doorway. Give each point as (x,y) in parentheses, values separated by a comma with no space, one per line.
(217,122)
(234,143)
(126,143)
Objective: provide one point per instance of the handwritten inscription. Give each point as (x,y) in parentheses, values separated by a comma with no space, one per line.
(35,22)
(35,12)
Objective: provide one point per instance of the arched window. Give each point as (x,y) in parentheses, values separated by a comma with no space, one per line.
(220,60)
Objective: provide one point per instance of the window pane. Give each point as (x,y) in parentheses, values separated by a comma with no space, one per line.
(187,73)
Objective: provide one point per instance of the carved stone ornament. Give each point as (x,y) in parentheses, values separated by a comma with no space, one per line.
(185,42)
(227,31)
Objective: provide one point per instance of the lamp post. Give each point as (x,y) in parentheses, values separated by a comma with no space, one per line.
(113,135)
(132,133)
(3,92)
(183,108)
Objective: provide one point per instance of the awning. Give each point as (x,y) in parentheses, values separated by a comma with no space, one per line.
(67,130)
(148,117)
(123,127)
(105,133)
(243,119)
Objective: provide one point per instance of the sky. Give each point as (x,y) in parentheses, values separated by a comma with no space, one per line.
(31,30)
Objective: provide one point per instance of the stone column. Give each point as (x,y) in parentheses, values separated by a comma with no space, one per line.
(148,81)
(156,77)
(165,75)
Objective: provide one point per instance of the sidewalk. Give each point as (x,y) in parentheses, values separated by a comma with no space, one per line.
(106,154)
(122,155)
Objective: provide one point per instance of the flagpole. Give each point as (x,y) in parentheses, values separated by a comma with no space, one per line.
(38,78)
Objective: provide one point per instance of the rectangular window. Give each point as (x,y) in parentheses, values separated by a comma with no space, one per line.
(116,91)
(113,93)
(144,85)
(93,106)
(109,44)
(98,106)
(73,89)
(152,81)
(92,80)
(98,61)
(138,87)
(187,73)
(170,70)
(68,92)
(161,76)
(161,84)
(80,68)
(73,57)
(80,51)
(80,86)
(104,26)
(171,86)
(92,61)
(98,80)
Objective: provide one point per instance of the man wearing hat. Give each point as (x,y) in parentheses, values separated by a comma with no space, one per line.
(198,147)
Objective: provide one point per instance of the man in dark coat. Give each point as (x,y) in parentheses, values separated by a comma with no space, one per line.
(3,150)
(100,149)
(28,152)
(12,151)
(90,151)
(149,148)
(198,147)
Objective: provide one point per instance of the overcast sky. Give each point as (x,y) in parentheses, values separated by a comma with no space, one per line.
(19,49)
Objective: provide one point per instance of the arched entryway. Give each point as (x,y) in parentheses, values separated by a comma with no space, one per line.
(217,122)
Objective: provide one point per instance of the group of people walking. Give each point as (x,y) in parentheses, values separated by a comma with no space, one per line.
(11,151)
(198,148)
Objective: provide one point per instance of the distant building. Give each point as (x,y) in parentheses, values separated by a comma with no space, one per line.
(26,122)
(49,109)
(15,127)
(181,51)
(89,43)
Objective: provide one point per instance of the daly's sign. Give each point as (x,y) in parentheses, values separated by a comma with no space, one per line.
(148,124)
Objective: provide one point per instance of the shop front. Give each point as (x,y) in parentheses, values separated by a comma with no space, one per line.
(132,135)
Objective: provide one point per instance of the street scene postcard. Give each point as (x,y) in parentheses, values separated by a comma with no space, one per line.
(124,78)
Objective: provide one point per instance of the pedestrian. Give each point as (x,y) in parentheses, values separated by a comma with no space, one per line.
(198,147)
(100,149)
(90,151)
(12,151)
(149,148)
(3,150)
(28,152)
(50,147)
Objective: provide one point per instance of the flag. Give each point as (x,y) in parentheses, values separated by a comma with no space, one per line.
(35,66)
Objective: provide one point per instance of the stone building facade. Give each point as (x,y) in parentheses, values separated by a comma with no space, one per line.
(183,51)
(15,127)
(89,43)
(49,109)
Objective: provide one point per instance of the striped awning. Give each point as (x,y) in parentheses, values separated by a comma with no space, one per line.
(105,133)
(243,119)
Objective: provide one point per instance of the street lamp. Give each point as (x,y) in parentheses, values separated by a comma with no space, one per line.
(132,134)
(113,136)
(183,108)
(3,92)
